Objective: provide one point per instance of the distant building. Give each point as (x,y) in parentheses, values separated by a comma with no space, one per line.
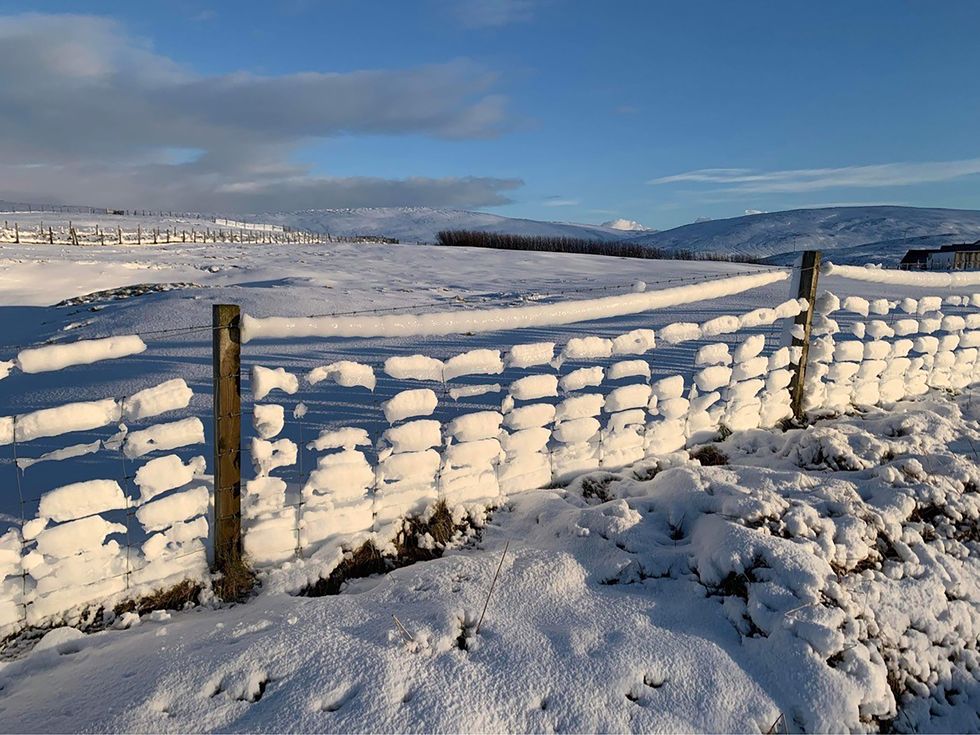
(914,260)
(956,257)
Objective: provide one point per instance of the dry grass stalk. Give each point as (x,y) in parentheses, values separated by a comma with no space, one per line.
(492,584)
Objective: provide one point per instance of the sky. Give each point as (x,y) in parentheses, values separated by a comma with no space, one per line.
(659,112)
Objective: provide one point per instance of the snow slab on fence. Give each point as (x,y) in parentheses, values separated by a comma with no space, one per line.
(822,575)
(492,320)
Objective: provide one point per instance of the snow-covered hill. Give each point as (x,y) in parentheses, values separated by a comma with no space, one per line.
(421,224)
(846,234)
(627,225)
(858,235)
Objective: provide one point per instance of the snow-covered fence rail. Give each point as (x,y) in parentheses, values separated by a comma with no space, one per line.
(133,521)
(492,320)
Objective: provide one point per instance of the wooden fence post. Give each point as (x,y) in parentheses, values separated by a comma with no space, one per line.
(805,278)
(226,341)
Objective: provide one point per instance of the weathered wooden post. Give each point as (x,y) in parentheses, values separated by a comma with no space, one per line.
(226,341)
(806,274)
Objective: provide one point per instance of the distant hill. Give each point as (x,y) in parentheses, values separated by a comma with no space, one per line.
(421,224)
(858,235)
(845,234)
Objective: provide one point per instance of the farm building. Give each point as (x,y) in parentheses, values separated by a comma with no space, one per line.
(956,257)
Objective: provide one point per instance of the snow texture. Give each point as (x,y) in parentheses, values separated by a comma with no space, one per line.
(530,355)
(265,380)
(268,419)
(85,352)
(268,456)
(587,348)
(414,367)
(171,395)
(534,386)
(474,362)
(80,499)
(635,342)
(585,377)
(346,437)
(409,403)
(414,436)
(345,373)
(470,391)
(164,437)
(628,369)
(166,473)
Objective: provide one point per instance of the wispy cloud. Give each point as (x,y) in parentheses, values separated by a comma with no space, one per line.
(492,13)
(97,114)
(560,202)
(751,181)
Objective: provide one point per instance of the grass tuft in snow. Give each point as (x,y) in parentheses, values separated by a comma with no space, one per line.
(176,597)
(422,539)
(709,456)
(596,485)
(236,584)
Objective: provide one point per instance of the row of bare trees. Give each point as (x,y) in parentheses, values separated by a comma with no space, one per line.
(551,244)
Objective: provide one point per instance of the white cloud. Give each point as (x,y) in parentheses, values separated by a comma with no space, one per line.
(560,202)
(491,13)
(743,180)
(90,113)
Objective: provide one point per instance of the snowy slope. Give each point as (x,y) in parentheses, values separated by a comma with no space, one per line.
(817,582)
(421,224)
(846,234)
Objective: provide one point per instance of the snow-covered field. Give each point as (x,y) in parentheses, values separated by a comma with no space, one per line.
(817,575)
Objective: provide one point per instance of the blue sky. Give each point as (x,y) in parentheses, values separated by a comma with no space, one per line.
(551,109)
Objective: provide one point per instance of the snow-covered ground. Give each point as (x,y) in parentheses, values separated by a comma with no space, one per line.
(829,575)
(816,575)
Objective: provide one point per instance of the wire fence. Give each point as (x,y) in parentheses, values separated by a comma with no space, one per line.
(298,505)
(163,227)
